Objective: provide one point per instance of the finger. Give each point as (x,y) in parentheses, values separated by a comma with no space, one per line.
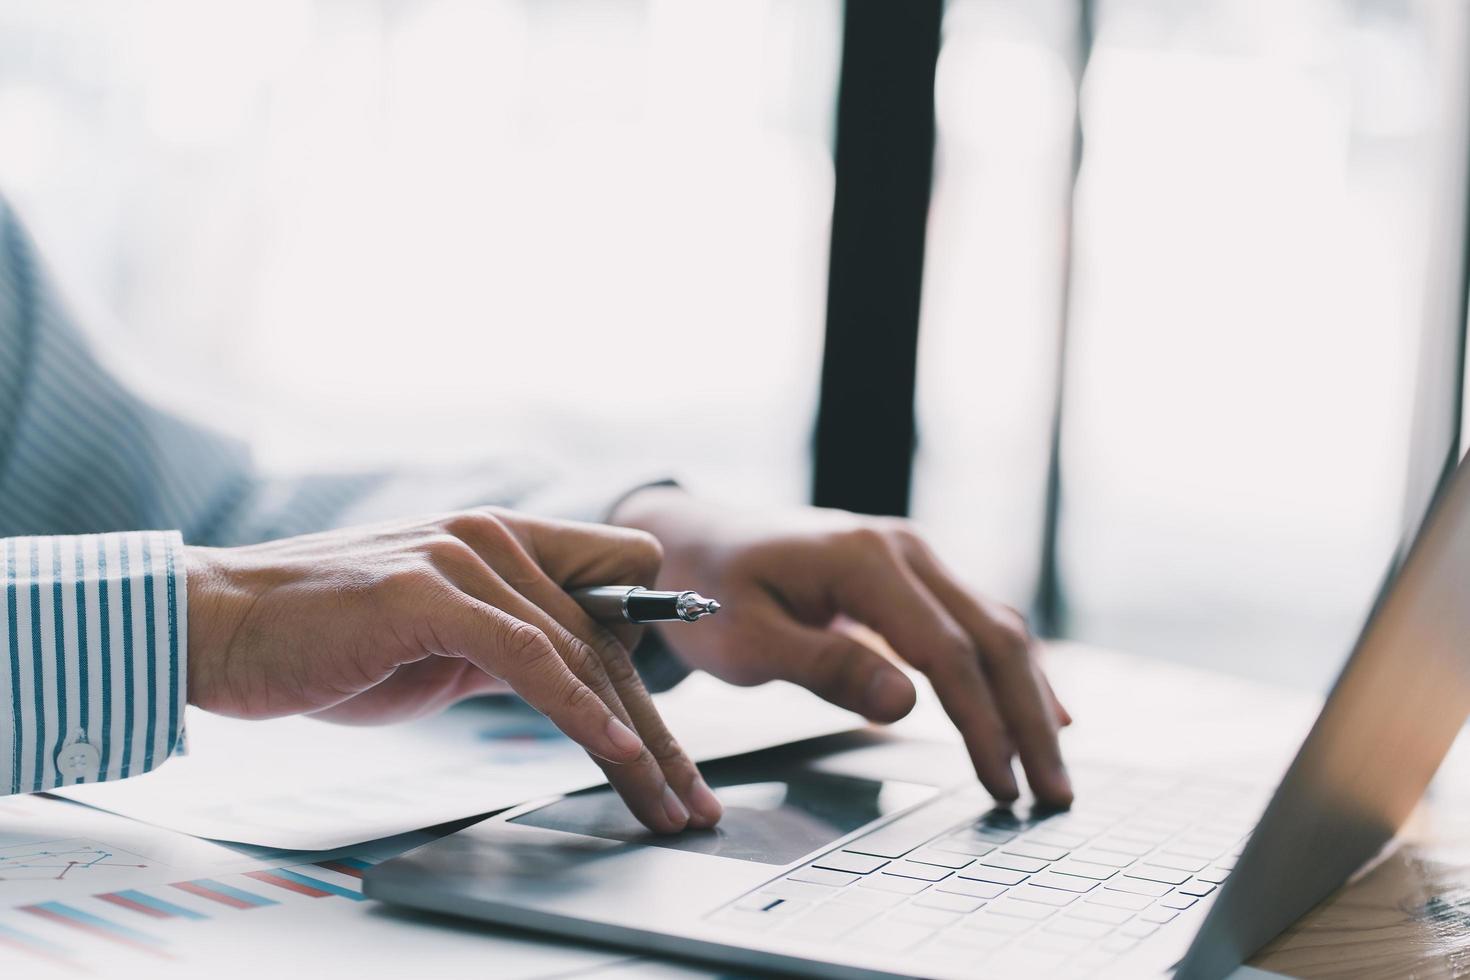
(883,592)
(1021,691)
(522,655)
(833,665)
(572,554)
(1064,717)
(704,809)
(661,786)
(575,553)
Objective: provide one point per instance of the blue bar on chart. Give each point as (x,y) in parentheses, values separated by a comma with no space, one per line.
(304,884)
(218,891)
(35,946)
(150,905)
(75,918)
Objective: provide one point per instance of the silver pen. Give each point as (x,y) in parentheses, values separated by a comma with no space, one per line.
(635,604)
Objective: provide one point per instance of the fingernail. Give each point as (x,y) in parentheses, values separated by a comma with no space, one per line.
(622,738)
(889,695)
(705,803)
(677,814)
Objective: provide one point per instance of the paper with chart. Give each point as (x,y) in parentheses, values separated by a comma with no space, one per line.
(304,784)
(174,906)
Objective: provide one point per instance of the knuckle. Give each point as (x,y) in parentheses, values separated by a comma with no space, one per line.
(865,537)
(403,577)
(524,643)
(645,552)
(486,528)
(662,744)
(446,550)
(1015,639)
(619,667)
(956,645)
(578,698)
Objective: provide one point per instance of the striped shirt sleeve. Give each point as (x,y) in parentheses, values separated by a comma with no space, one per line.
(93,629)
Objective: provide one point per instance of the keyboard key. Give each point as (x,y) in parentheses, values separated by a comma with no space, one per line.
(1044,896)
(950,902)
(796,889)
(1135,886)
(765,901)
(1024,962)
(1125,838)
(1122,845)
(1178,862)
(1113,859)
(894,883)
(1057,838)
(746,919)
(828,921)
(1177,901)
(1215,875)
(1084,869)
(1099,913)
(1197,888)
(1041,852)
(988,921)
(858,864)
(868,898)
(1055,942)
(1070,883)
(920,915)
(1020,910)
(821,876)
(1138,930)
(1152,872)
(970,940)
(889,936)
(1078,927)
(1207,850)
(1157,915)
(970,889)
(944,859)
(1015,863)
(1118,944)
(908,832)
(1000,876)
(963,844)
(912,869)
(1117,900)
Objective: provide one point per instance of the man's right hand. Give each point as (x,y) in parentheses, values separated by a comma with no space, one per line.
(380,623)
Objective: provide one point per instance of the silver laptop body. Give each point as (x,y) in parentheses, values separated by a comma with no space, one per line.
(851,857)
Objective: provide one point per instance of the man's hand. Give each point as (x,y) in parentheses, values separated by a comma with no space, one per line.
(792,584)
(380,623)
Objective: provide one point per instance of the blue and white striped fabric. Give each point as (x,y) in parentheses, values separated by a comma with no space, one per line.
(94,617)
(94,629)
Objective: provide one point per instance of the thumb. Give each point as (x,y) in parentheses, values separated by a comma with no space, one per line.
(839,669)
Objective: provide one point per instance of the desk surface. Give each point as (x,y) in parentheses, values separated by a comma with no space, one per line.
(1408,916)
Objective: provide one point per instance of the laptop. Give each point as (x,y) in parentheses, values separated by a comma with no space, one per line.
(860,856)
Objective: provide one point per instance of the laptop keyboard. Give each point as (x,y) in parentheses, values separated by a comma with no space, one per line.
(950,886)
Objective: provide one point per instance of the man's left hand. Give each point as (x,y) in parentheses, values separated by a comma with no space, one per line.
(795,583)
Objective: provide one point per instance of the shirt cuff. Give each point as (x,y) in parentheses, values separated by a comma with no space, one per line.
(94,632)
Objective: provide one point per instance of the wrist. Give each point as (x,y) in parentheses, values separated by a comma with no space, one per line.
(216,609)
(647,508)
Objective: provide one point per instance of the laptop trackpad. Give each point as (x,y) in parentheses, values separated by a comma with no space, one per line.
(774,814)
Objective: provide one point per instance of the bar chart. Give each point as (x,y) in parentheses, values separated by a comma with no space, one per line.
(67,934)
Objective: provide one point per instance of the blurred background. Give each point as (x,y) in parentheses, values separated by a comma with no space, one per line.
(366,231)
